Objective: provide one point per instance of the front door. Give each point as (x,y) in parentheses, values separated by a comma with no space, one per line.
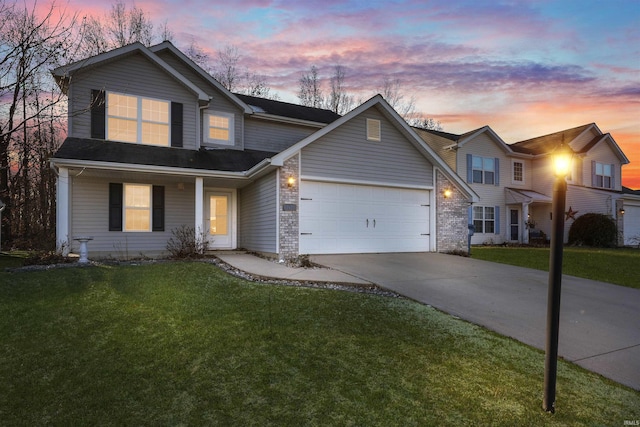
(514,224)
(218,220)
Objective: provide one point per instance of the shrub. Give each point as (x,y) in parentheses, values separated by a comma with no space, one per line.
(593,229)
(183,243)
(47,258)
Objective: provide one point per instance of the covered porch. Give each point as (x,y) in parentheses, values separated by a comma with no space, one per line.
(525,215)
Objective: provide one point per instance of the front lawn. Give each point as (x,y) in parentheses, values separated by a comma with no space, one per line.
(618,266)
(186,344)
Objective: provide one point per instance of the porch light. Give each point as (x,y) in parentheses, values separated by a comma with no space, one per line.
(291,181)
(621,211)
(446,193)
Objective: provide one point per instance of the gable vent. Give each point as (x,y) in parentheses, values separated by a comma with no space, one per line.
(373,130)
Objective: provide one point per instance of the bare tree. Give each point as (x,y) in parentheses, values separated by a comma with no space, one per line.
(256,85)
(127,26)
(120,27)
(199,56)
(392,92)
(339,100)
(427,123)
(227,70)
(310,93)
(30,45)
(237,78)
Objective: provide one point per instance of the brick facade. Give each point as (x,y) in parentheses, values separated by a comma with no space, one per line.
(451,217)
(289,209)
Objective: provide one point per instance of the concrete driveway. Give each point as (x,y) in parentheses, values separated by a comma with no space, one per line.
(599,322)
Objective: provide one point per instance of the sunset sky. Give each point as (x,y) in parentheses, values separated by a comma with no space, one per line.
(525,68)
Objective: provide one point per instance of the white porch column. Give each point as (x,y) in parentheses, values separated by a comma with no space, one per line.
(199,218)
(525,229)
(63,240)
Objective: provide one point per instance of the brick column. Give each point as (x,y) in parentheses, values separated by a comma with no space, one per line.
(451,217)
(289,214)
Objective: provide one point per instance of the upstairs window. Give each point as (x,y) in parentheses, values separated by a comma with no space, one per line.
(219,128)
(603,175)
(518,172)
(483,170)
(373,130)
(137,119)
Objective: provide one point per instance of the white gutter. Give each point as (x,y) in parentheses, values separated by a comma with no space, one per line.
(166,170)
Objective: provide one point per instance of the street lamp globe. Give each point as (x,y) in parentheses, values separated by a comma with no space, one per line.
(562,161)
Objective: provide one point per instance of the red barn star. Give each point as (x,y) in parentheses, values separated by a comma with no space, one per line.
(570,214)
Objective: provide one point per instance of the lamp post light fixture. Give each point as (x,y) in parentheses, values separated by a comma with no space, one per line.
(562,167)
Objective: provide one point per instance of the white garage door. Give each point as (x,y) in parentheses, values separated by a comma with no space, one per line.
(344,218)
(631,225)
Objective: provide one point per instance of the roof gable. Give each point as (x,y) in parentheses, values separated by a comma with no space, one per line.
(472,135)
(399,123)
(169,47)
(63,74)
(547,143)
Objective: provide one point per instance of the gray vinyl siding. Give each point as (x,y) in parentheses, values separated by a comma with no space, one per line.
(185,70)
(491,195)
(271,136)
(602,153)
(218,105)
(133,75)
(218,101)
(257,215)
(90,217)
(346,154)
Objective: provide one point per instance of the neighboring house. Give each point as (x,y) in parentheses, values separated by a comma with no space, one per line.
(155,143)
(514,181)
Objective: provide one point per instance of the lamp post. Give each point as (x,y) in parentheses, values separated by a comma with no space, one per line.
(561,164)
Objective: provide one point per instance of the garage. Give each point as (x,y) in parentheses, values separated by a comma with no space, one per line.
(347,218)
(632,224)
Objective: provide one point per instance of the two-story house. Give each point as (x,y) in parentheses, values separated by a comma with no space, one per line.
(155,143)
(514,181)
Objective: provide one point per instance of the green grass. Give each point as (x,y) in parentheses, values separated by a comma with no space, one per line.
(617,266)
(186,344)
(12,259)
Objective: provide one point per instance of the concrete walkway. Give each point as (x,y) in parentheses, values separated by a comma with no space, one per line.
(599,322)
(271,269)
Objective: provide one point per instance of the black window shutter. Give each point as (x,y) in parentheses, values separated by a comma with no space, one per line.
(98,112)
(115,207)
(176,124)
(158,208)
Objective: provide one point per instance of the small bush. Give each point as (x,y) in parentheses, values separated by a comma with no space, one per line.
(47,258)
(593,229)
(184,244)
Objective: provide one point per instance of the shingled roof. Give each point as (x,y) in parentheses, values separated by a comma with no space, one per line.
(547,143)
(285,109)
(140,154)
(446,135)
